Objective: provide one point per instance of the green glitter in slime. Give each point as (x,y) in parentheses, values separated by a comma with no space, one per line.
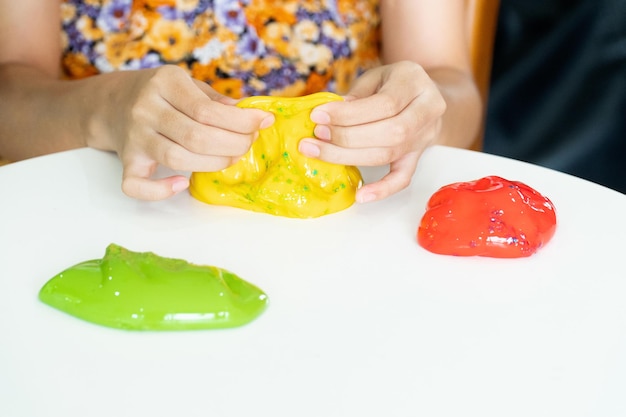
(143,291)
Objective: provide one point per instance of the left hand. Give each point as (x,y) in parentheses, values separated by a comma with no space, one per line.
(390,116)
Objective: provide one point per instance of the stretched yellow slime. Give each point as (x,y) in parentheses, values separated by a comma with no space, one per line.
(274,177)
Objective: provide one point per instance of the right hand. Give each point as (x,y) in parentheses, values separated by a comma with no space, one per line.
(164,117)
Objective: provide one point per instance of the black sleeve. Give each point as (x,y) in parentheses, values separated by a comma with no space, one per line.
(558,89)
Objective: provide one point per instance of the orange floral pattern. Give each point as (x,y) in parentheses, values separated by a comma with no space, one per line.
(240,47)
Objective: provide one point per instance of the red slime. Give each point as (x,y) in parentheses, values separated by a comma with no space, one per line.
(491,217)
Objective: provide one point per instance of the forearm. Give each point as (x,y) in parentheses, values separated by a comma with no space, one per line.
(37,114)
(412,30)
(462,119)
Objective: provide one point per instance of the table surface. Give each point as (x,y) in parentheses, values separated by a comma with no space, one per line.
(362,321)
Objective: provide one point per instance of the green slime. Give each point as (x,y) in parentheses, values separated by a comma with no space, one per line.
(143,291)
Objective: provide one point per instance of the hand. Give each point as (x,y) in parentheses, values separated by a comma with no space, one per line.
(163,116)
(390,116)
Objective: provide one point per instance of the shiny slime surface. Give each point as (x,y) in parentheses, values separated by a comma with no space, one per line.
(274,177)
(491,217)
(143,291)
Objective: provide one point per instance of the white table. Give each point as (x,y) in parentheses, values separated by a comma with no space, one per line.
(362,321)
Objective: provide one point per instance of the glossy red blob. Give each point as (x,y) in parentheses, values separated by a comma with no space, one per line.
(490,217)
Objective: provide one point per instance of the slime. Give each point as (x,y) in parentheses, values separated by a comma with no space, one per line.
(274,177)
(490,217)
(143,291)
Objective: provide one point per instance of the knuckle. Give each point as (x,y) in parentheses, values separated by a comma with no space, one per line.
(157,78)
(397,133)
(128,187)
(172,158)
(389,105)
(161,78)
(165,72)
(137,112)
(440,106)
(193,140)
(409,65)
(200,112)
(410,71)
(403,182)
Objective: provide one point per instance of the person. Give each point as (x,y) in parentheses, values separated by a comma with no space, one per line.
(156,81)
(558,87)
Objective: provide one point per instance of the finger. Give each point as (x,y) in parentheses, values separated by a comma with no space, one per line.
(152,190)
(219,115)
(388,132)
(329,152)
(139,168)
(399,76)
(377,95)
(189,116)
(399,177)
(199,107)
(177,157)
(207,138)
(379,106)
(136,182)
(204,139)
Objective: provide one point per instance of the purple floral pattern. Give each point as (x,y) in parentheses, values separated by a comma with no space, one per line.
(240,47)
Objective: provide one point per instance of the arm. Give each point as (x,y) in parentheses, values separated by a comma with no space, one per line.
(423,95)
(149,117)
(29,58)
(439,44)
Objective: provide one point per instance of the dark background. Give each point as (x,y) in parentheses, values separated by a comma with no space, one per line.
(558,89)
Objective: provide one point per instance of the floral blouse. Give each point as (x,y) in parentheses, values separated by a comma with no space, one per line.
(240,47)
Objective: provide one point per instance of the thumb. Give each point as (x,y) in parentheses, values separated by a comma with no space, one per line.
(136,182)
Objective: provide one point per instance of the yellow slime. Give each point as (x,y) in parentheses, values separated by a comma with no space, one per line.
(274,177)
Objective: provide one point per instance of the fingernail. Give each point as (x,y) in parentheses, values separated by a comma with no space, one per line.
(322,132)
(318,116)
(179,186)
(267,122)
(309,149)
(365,198)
